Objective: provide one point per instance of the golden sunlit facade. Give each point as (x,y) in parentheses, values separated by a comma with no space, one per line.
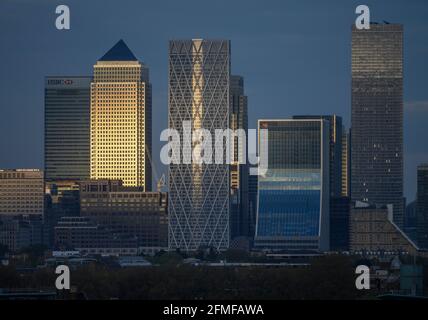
(121,120)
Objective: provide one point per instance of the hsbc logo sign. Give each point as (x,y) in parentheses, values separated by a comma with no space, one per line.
(58,82)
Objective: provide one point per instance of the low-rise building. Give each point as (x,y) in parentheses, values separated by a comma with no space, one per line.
(18,231)
(21,192)
(87,237)
(127,211)
(372,231)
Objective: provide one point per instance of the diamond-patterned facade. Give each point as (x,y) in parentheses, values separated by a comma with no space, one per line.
(199,75)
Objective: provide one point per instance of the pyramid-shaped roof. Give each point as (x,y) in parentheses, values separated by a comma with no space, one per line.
(119,52)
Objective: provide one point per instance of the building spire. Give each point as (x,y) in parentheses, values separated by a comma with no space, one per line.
(119,52)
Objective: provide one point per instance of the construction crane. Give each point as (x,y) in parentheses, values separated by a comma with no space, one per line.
(160,182)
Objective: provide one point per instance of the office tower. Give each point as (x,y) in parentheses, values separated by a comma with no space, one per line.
(199,83)
(372,231)
(335,142)
(128,212)
(239,211)
(67,139)
(346,165)
(339,223)
(422,206)
(121,119)
(21,192)
(377,116)
(293,195)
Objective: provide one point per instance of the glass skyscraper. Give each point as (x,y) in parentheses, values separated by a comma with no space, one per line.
(199,84)
(377,117)
(293,195)
(67,103)
(335,123)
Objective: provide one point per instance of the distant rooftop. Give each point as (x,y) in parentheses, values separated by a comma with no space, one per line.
(119,52)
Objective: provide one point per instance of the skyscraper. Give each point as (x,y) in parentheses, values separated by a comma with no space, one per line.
(293,195)
(121,119)
(199,84)
(67,138)
(377,116)
(346,154)
(240,218)
(422,207)
(335,142)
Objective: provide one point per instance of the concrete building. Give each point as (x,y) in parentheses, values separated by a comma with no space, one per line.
(127,211)
(372,231)
(293,195)
(21,192)
(88,237)
(121,119)
(18,231)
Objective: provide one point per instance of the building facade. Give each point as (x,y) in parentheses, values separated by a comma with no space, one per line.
(239,210)
(422,207)
(88,237)
(18,232)
(128,212)
(373,232)
(121,119)
(253,182)
(335,142)
(199,85)
(339,223)
(293,195)
(67,127)
(62,199)
(21,192)
(346,163)
(411,221)
(377,116)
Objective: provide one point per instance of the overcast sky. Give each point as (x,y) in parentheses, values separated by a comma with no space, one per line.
(294,56)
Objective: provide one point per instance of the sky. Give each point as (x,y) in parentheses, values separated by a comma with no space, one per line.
(295,57)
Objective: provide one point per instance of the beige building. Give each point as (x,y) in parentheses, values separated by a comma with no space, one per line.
(121,119)
(373,231)
(21,192)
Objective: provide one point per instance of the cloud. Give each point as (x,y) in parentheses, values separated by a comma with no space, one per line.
(416,106)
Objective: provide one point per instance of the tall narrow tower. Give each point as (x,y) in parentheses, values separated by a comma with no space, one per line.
(199,79)
(121,119)
(239,215)
(377,116)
